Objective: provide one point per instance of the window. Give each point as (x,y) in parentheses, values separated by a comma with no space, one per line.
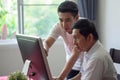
(8,19)
(36,17)
(30,17)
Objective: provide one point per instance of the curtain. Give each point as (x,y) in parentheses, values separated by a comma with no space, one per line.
(87,8)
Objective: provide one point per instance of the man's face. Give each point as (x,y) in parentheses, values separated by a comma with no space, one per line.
(67,21)
(79,40)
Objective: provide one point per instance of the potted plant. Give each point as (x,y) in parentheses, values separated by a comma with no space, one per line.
(17,76)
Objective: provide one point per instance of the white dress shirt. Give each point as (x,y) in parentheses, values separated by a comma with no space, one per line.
(97,64)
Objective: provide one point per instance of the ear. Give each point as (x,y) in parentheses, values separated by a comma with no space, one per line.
(90,37)
(77,17)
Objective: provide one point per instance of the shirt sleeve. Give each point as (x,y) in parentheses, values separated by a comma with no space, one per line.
(55,31)
(94,70)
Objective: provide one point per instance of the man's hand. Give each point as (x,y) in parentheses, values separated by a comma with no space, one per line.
(76,49)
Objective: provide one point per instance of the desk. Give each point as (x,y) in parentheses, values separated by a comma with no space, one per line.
(6,78)
(3,77)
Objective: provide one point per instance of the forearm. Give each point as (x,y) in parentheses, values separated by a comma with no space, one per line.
(48,43)
(68,67)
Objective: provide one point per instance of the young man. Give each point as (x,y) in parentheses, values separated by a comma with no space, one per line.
(68,15)
(96,61)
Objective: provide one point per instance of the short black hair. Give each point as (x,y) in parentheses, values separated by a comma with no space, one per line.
(86,27)
(68,6)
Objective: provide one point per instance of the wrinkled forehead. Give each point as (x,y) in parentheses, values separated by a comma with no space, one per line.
(75,32)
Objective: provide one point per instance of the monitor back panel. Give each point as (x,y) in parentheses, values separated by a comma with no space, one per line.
(32,49)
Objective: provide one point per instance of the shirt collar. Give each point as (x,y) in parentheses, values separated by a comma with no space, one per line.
(93,49)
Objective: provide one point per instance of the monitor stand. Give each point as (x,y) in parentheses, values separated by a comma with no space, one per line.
(26,67)
(30,71)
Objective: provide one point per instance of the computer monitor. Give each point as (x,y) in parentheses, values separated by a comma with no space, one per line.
(31,49)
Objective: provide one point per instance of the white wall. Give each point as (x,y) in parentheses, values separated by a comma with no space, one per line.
(56,57)
(109,23)
(10,58)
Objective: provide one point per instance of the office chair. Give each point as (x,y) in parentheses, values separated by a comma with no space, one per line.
(115,54)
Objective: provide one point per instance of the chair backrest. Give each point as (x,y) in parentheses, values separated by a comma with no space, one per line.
(118,76)
(115,54)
